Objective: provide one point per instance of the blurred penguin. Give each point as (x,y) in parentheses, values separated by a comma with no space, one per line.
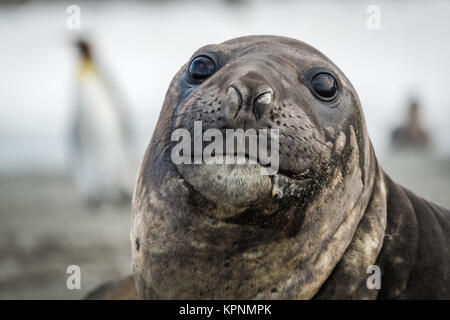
(101,152)
(411,134)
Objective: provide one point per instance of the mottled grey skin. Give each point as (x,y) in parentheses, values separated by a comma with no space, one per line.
(314,228)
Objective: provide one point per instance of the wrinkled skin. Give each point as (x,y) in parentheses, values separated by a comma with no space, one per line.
(311,230)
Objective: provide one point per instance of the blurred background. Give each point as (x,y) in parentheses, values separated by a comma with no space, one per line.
(68,106)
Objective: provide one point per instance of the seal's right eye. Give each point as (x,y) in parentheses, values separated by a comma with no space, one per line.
(201,68)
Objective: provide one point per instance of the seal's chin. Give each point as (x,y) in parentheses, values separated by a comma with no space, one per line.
(235,186)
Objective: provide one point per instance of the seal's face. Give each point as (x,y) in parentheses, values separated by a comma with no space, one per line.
(264,83)
(204,230)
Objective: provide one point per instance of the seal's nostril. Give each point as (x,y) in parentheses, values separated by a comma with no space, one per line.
(248,99)
(234,101)
(262,104)
(239,94)
(264,98)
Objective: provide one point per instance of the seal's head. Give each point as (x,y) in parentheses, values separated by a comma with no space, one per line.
(203,230)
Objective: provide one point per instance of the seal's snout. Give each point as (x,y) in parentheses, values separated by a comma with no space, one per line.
(249,99)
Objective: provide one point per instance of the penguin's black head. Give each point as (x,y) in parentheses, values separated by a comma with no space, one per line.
(84,48)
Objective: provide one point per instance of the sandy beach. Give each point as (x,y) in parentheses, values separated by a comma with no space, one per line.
(45,228)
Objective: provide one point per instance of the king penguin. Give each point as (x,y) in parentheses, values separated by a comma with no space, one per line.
(101,152)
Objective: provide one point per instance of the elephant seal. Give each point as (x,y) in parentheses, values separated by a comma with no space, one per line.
(310,231)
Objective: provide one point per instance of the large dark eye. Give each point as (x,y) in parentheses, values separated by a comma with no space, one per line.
(201,68)
(324,86)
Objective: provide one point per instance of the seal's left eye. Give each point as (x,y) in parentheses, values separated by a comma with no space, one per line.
(324,86)
(201,68)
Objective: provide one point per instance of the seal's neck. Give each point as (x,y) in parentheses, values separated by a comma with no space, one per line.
(340,237)
(349,278)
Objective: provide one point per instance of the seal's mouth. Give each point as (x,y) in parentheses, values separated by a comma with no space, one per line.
(284,185)
(233,159)
(237,187)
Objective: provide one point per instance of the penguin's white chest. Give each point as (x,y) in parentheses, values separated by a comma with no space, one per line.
(102,154)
